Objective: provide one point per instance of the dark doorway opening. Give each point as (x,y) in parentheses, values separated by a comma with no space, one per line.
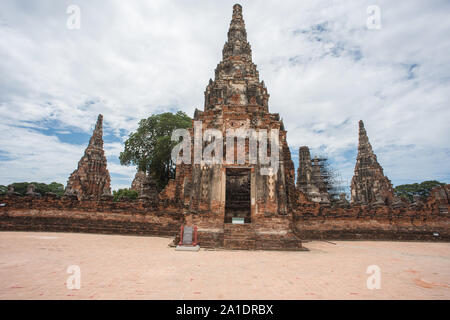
(237,195)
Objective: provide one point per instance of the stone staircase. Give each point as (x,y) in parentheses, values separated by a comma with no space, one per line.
(239,236)
(244,237)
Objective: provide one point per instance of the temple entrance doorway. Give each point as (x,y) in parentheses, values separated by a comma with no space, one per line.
(237,195)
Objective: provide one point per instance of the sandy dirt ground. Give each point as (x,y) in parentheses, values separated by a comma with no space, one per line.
(34,266)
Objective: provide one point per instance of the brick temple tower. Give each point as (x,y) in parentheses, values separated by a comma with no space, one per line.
(238,191)
(369,184)
(91,179)
(310,178)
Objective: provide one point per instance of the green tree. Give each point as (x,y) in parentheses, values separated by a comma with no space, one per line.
(57,188)
(150,147)
(408,191)
(3,189)
(20,187)
(124,193)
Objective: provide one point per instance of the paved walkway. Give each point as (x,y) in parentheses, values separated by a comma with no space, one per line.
(34,266)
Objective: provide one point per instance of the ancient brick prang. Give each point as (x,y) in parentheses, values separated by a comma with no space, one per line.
(149,190)
(237,100)
(91,179)
(238,188)
(310,179)
(145,185)
(138,182)
(369,184)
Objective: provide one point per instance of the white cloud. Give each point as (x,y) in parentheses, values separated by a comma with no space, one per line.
(323,69)
(31,156)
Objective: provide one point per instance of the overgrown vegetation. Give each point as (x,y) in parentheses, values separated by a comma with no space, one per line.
(150,147)
(42,188)
(408,191)
(124,194)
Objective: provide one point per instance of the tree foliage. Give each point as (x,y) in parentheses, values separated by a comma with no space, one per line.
(125,194)
(408,191)
(150,147)
(42,188)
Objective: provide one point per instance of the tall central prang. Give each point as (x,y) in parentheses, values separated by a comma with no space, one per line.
(218,196)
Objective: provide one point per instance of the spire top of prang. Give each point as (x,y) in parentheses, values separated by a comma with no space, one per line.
(237,11)
(99,124)
(236,69)
(97,136)
(237,45)
(364,146)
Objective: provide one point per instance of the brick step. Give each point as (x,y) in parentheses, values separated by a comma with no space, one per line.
(236,227)
(240,236)
(239,244)
(278,245)
(244,234)
(238,231)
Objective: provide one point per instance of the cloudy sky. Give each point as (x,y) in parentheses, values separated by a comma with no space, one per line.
(323,67)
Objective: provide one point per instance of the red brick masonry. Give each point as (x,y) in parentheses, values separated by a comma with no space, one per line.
(70,215)
(418,221)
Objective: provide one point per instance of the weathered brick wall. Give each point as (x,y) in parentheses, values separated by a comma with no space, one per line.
(376,228)
(424,221)
(420,221)
(70,215)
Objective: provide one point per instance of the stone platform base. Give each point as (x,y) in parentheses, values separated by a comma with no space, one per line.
(245,237)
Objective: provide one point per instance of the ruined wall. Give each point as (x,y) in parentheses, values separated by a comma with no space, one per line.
(67,214)
(428,220)
(416,221)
